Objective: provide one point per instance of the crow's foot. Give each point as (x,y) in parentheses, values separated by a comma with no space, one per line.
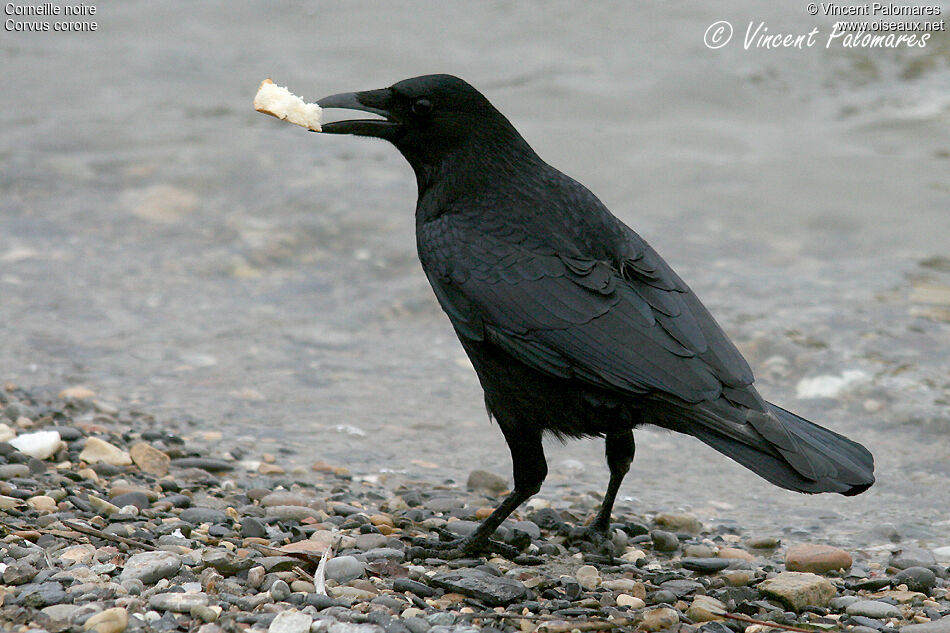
(591,539)
(451,547)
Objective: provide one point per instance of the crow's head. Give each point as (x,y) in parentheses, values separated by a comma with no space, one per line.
(426,118)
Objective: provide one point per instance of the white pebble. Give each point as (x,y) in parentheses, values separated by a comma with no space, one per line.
(41,445)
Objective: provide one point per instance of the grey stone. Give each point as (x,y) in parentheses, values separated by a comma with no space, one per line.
(937,626)
(19,573)
(528,526)
(284,498)
(204,463)
(387,553)
(320,602)
(413,586)
(344,569)
(371,541)
(135,498)
(917,579)
(705,565)
(417,625)
(226,563)
(843,602)
(150,567)
(252,527)
(177,602)
(492,590)
(280,591)
(440,618)
(662,596)
(351,627)
(290,622)
(291,513)
(61,612)
(9,471)
(487,481)
(910,556)
(199,515)
(444,504)
(683,588)
(280,563)
(873,609)
(664,541)
(42,594)
(462,528)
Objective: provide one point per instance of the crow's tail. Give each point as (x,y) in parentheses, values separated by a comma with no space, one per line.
(789,451)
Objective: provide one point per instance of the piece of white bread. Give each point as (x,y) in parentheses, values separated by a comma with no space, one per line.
(279,102)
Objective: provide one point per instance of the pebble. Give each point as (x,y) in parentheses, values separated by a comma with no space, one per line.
(704,565)
(817,559)
(492,590)
(910,556)
(679,523)
(627,585)
(916,579)
(343,569)
(177,602)
(41,445)
(291,622)
(413,586)
(873,609)
(42,503)
(664,541)
(798,589)
(279,591)
(204,463)
(705,609)
(103,507)
(281,498)
(626,600)
(588,577)
(292,513)
(114,620)
(199,515)
(659,619)
(96,451)
(150,567)
(482,480)
(149,459)
(937,626)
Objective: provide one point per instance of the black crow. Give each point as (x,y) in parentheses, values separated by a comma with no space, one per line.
(574,324)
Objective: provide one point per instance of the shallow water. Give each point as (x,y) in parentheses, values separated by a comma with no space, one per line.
(165,245)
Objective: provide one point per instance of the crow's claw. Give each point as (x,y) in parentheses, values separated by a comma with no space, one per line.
(458,548)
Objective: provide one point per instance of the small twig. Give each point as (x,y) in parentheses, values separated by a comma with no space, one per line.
(745,618)
(85,529)
(300,572)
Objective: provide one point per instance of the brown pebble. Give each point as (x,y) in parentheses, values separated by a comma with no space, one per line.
(735,553)
(816,558)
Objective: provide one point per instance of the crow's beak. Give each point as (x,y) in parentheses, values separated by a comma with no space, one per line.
(373,101)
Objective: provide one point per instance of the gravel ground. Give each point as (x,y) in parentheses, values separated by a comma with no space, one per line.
(115,521)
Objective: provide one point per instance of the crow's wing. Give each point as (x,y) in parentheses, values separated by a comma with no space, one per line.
(631,326)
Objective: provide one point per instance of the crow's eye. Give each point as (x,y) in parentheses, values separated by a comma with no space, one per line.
(421,107)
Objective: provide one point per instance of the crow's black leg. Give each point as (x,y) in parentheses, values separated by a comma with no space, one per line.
(529,468)
(620,449)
